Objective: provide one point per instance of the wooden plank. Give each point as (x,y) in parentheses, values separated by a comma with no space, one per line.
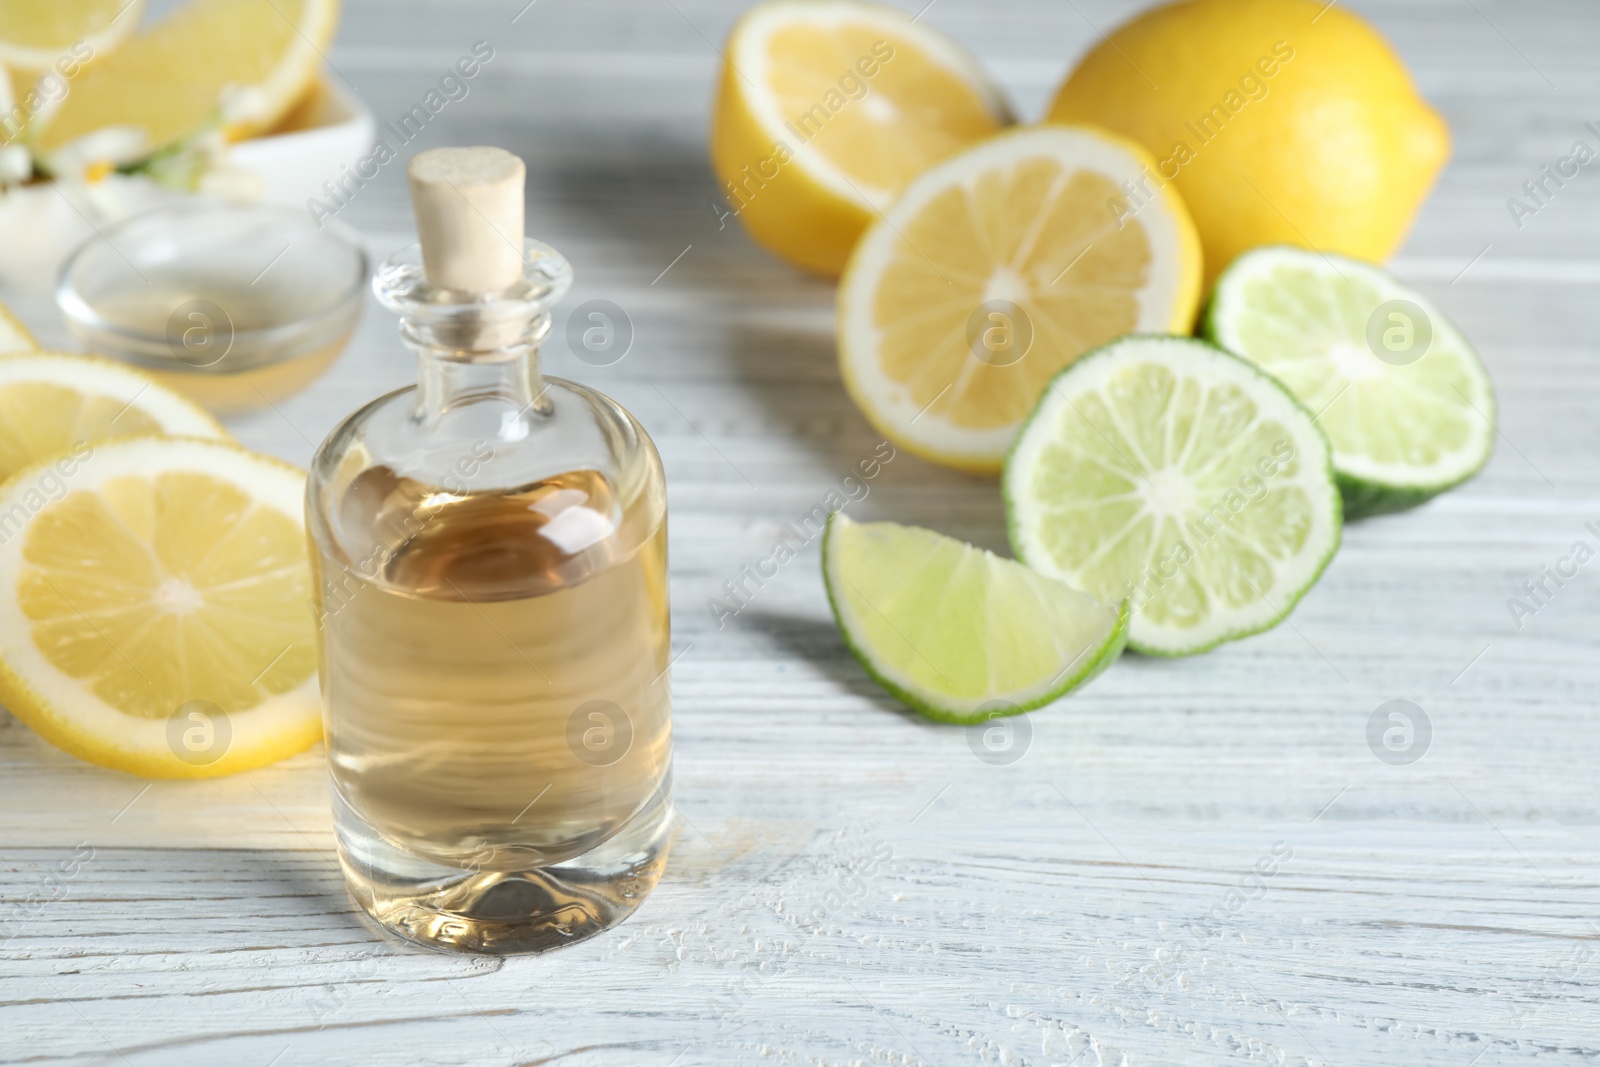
(850,884)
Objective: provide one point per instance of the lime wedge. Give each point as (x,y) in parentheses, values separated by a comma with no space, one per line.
(956,632)
(1168,472)
(1403,398)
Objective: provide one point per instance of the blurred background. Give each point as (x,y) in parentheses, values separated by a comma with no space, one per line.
(608,102)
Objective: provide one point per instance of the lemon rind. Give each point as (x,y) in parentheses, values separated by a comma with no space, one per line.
(39,693)
(31,59)
(177,414)
(1168,303)
(747,55)
(9,323)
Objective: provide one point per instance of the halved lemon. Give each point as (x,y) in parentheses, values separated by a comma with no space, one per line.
(153,607)
(52,404)
(995,270)
(827,109)
(14,337)
(34,35)
(247,61)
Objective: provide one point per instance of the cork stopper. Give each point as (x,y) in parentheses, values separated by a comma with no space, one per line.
(468,203)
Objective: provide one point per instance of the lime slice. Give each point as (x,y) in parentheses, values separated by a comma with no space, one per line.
(1403,398)
(956,632)
(1168,472)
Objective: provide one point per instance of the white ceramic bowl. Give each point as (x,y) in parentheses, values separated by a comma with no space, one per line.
(40,224)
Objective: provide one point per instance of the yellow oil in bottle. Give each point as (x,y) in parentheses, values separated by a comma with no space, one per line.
(494,666)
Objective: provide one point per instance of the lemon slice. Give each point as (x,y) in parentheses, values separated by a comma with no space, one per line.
(249,59)
(52,404)
(14,337)
(995,270)
(34,35)
(153,607)
(827,109)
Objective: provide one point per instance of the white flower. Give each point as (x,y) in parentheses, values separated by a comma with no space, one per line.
(232,183)
(94,155)
(16,165)
(243,105)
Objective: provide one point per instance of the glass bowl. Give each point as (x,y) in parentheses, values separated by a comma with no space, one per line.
(237,305)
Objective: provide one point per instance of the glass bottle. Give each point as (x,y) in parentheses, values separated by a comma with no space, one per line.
(490,551)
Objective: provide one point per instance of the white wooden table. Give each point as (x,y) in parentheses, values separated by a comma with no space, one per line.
(851,885)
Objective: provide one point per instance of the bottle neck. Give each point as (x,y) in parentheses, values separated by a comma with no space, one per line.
(477,353)
(472,363)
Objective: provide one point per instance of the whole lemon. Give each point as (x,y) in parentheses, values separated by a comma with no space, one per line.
(1279,122)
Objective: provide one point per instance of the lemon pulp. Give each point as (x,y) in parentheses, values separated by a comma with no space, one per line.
(171,79)
(996,269)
